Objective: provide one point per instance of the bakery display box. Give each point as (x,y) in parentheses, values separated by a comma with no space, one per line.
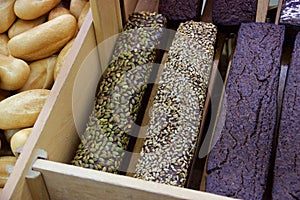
(43,169)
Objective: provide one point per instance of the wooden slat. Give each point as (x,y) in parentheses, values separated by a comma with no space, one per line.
(215,81)
(107,19)
(128,8)
(262,9)
(207,11)
(147,5)
(54,130)
(278,12)
(71,182)
(218,114)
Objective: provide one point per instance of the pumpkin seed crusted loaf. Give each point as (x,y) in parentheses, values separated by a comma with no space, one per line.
(119,95)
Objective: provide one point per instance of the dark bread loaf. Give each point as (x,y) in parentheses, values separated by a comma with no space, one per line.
(238,163)
(180,10)
(177,109)
(233,12)
(287,163)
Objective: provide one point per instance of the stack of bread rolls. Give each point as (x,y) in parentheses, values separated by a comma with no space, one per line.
(35,37)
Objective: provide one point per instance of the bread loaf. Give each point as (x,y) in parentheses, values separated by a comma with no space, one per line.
(7,15)
(61,58)
(83,14)
(21,25)
(13,73)
(3,44)
(44,40)
(238,163)
(76,7)
(58,11)
(21,110)
(41,74)
(32,9)
(19,139)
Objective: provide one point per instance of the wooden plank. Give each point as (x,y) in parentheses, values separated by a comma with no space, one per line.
(82,183)
(37,186)
(147,5)
(128,8)
(198,165)
(140,139)
(207,11)
(107,18)
(262,9)
(219,109)
(278,12)
(54,130)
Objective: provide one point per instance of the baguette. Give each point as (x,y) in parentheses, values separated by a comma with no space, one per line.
(41,74)
(13,73)
(58,11)
(44,40)
(21,25)
(61,58)
(19,139)
(21,110)
(76,7)
(83,14)
(7,15)
(3,44)
(32,9)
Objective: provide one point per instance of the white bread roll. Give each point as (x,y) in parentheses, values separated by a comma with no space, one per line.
(62,57)
(13,73)
(3,44)
(83,14)
(76,7)
(22,109)
(32,9)
(58,11)
(7,15)
(41,74)
(21,25)
(44,40)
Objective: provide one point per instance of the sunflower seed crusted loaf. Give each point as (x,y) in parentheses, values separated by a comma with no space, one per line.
(175,119)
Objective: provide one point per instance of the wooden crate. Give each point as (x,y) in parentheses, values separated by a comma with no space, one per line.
(42,170)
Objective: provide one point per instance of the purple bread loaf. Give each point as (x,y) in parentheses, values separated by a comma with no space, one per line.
(287,163)
(180,10)
(238,163)
(233,12)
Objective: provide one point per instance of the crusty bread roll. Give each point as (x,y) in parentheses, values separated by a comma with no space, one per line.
(13,73)
(61,58)
(44,40)
(76,6)
(22,109)
(3,44)
(41,74)
(21,25)
(19,139)
(58,11)
(83,14)
(7,15)
(32,9)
